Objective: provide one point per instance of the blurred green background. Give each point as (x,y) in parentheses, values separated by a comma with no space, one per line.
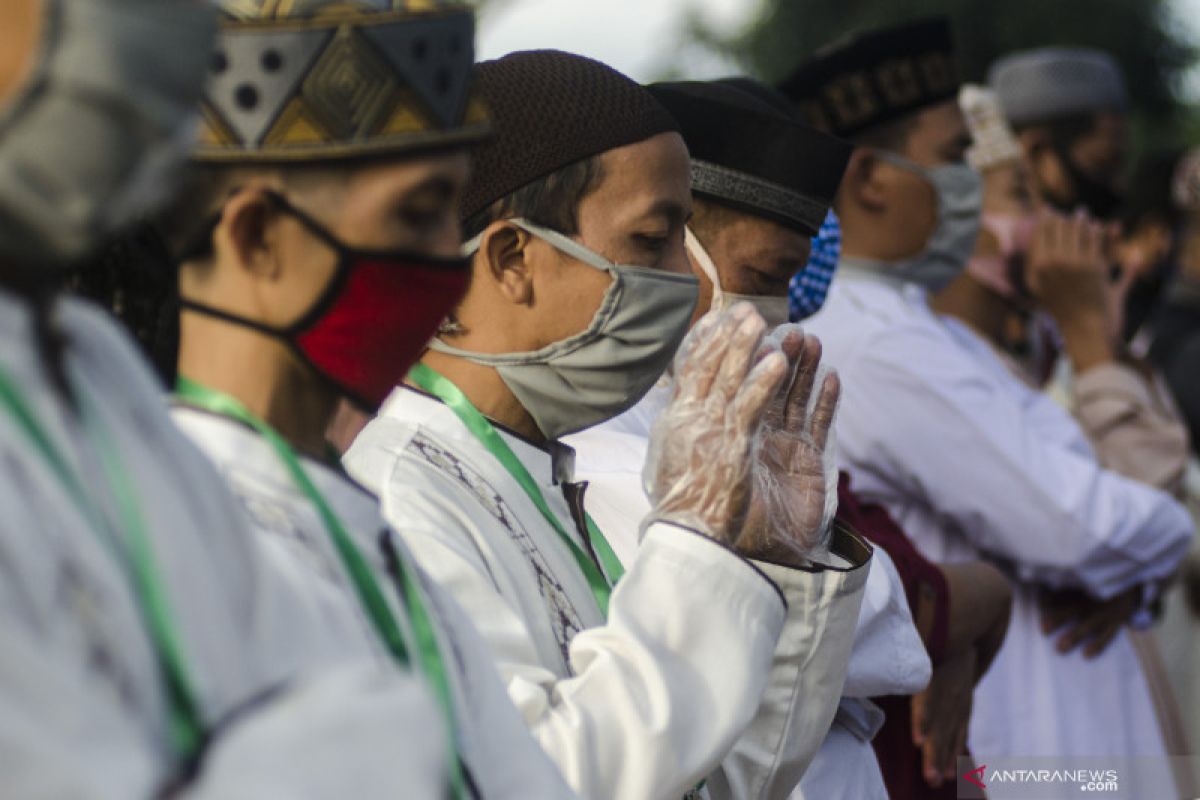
(1144,35)
(1154,40)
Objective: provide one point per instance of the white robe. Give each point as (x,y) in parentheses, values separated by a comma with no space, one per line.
(502,759)
(82,707)
(646,704)
(972,464)
(887,656)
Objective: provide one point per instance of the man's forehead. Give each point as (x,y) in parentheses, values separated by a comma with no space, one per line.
(648,177)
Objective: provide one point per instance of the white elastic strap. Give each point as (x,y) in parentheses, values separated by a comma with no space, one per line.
(558,241)
(471,246)
(704,260)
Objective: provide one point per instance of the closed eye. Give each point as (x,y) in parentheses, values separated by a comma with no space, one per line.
(651,243)
(425,208)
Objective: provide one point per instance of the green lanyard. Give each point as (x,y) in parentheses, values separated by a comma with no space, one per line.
(361,574)
(445,390)
(133,551)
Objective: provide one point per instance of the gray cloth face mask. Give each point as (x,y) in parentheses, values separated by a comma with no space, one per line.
(959,189)
(608,367)
(94,135)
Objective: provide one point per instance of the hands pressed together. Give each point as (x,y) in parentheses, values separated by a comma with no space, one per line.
(740,452)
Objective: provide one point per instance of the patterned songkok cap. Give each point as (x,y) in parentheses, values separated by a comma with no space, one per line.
(320,80)
(866,80)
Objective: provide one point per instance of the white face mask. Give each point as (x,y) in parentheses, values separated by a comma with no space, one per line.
(107,116)
(607,368)
(773,310)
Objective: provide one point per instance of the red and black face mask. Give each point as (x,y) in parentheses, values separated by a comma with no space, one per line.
(373,319)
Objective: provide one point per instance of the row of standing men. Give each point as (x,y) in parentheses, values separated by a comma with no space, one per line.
(442,605)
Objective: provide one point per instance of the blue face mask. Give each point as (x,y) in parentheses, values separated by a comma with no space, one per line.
(809,288)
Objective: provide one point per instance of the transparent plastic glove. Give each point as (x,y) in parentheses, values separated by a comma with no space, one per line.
(698,465)
(795,474)
(362,731)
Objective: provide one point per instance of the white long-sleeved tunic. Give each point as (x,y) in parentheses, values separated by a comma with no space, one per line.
(501,759)
(973,463)
(649,702)
(83,712)
(887,656)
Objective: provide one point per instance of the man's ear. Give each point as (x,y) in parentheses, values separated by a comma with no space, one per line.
(504,251)
(861,184)
(245,235)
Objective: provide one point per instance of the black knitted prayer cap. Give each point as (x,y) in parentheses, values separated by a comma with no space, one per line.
(551,109)
(753,156)
(869,79)
(767,94)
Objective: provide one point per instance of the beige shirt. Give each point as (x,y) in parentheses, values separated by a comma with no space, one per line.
(1133,424)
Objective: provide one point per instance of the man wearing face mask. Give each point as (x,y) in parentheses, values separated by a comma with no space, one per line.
(641,691)
(1028,260)
(1056,265)
(760,183)
(145,651)
(1068,108)
(940,433)
(319,260)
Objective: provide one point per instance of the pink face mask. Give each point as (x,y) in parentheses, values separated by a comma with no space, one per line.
(1013,233)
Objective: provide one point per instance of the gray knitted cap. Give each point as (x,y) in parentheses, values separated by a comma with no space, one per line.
(1055,82)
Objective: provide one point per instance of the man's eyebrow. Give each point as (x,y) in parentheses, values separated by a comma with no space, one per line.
(437,183)
(673,211)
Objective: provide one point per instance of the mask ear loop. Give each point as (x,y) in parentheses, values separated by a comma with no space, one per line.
(707,266)
(559,241)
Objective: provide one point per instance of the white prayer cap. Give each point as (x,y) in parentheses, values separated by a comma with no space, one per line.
(994,140)
(1056,82)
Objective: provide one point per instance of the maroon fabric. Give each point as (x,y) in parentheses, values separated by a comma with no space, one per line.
(924,584)
(929,600)
(899,759)
(378,324)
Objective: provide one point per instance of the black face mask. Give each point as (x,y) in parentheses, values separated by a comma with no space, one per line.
(1100,199)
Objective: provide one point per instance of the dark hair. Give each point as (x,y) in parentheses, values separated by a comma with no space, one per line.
(892,136)
(134,278)
(1149,196)
(551,201)
(190,218)
(189,215)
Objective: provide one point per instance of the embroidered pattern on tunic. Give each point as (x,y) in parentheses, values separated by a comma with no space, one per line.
(564,619)
(280,518)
